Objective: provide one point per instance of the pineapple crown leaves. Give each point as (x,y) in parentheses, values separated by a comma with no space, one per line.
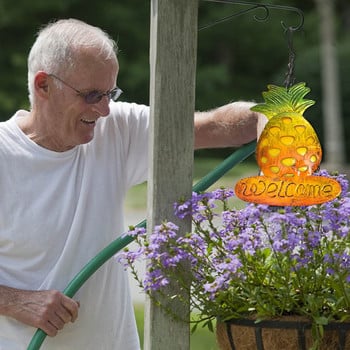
(280,100)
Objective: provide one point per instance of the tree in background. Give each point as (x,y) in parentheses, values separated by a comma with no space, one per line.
(236,59)
(332,118)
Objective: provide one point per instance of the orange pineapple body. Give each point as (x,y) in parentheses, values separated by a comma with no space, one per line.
(288,147)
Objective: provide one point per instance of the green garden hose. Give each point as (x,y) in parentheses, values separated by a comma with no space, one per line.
(115,246)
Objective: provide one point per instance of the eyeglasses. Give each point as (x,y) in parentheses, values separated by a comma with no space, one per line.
(94,96)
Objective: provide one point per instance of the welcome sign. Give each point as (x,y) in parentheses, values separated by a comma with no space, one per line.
(288,152)
(304,191)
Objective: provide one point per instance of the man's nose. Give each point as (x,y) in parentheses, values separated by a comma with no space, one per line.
(102,107)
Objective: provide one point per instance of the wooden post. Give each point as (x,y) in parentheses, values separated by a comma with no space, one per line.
(173,51)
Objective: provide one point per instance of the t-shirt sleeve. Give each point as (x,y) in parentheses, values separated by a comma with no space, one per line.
(131,123)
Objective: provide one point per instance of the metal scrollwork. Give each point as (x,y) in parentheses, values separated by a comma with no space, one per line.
(289,30)
(255,6)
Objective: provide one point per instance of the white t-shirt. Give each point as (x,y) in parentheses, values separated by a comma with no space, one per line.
(57,211)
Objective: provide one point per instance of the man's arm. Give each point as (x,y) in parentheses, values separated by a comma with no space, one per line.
(47,310)
(231,125)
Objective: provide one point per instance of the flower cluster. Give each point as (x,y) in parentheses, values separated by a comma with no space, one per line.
(260,260)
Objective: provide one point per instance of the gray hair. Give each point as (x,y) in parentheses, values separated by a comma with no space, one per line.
(57,46)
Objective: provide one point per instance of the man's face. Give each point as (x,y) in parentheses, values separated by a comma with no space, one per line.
(71,120)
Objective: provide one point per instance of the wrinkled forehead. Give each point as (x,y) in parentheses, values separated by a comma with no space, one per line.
(93,73)
(91,61)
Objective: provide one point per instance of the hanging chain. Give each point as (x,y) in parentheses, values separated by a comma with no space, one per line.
(289,77)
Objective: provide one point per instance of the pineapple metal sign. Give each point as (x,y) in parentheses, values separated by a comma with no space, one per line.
(288,153)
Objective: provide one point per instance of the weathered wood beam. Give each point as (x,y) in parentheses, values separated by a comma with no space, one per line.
(173,51)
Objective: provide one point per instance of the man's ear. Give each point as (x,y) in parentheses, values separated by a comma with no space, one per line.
(41,84)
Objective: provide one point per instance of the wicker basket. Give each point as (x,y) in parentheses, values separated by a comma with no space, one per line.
(287,333)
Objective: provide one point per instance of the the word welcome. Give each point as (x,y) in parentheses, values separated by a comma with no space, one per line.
(299,191)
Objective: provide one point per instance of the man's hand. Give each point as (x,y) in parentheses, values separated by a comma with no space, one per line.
(48,310)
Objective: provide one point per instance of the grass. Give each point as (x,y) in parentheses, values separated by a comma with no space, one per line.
(136,198)
(201,339)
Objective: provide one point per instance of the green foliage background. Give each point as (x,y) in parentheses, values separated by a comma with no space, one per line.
(236,59)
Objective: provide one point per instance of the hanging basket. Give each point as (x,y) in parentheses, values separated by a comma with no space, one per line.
(287,333)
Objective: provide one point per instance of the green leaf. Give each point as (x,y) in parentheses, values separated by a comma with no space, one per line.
(210,325)
(321,320)
(194,328)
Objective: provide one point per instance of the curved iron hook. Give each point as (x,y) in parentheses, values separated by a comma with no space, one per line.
(255,6)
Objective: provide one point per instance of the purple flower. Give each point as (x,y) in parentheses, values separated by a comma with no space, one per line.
(155,280)
(127,257)
(260,259)
(223,194)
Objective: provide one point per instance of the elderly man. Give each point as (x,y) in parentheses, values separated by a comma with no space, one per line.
(67,165)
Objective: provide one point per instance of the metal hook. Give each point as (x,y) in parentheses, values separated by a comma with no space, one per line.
(289,30)
(255,6)
(236,14)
